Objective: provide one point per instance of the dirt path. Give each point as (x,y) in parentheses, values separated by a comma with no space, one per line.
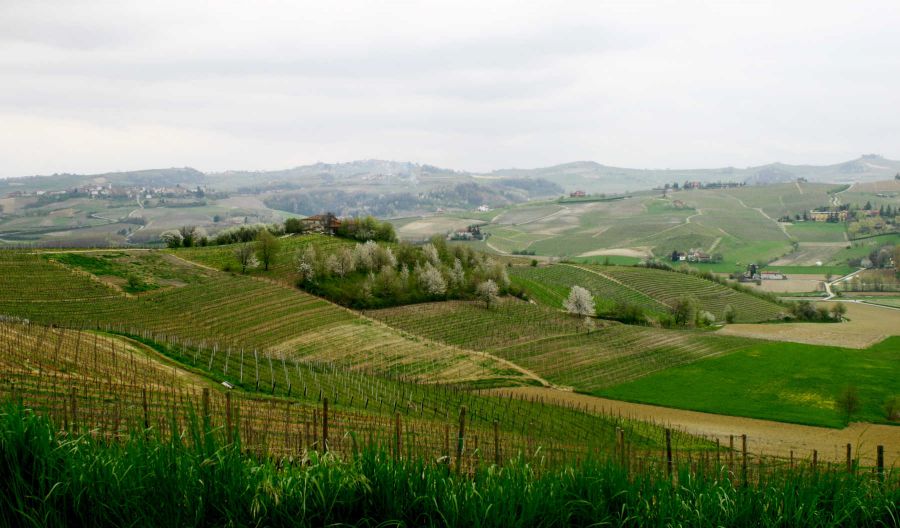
(763,436)
(760,211)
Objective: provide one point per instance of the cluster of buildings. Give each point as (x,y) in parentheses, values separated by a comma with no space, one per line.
(829,215)
(692,255)
(110,191)
(473,232)
(754,273)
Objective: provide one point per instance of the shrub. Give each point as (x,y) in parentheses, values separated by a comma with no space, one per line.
(848,401)
(892,408)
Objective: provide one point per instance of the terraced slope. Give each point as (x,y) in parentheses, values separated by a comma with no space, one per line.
(225,311)
(668,286)
(652,289)
(550,285)
(555,346)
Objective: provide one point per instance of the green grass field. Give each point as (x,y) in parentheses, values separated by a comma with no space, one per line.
(788,382)
(818,231)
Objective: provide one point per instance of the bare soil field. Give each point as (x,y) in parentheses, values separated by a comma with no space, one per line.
(763,436)
(427,226)
(800,283)
(810,253)
(873,187)
(866,325)
(242,202)
(638,252)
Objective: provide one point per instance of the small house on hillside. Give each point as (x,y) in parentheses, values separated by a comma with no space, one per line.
(577,194)
(326,224)
(696,255)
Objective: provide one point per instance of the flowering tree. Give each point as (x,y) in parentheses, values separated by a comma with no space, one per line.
(580,302)
(432,281)
(488,291)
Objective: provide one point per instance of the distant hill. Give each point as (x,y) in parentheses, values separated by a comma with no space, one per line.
(596,178)
(381,177)
(148,178)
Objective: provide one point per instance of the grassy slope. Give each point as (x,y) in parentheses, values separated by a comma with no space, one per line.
(779,381)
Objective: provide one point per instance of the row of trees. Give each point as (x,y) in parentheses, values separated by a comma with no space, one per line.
(362,229)
(371,275)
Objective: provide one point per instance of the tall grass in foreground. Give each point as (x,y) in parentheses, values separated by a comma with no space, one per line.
(49,478)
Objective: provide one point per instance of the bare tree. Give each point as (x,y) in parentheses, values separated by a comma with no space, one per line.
(580,302)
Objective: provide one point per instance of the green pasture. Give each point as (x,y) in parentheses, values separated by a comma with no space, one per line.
(788,382)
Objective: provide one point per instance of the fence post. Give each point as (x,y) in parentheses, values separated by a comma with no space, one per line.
(461,438)
(497,443)
(815,460)
(744,458)
(879,461)
(146,409)
(669,452)
(315,429)
(74,411)
(718,457)
(447,443)
(228,423)
(324,425)
(849,459)
(205,403)
(398,436)
(731,454)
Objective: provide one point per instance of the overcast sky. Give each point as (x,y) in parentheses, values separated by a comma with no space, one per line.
(95,86)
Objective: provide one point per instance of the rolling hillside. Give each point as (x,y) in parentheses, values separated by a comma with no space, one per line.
(556,346)
(652,289)
(208,309)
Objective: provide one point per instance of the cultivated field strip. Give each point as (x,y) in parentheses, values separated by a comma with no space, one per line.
(667,287)
(652,289)
(590,361)
(562,277)
(555,346)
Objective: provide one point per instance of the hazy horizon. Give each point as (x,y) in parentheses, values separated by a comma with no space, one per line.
(93,87)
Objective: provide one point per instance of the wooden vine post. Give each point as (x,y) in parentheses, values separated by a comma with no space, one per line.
(460,441)
(325,425)
(496,443)
(744,459)
(228,418)
(669,452)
